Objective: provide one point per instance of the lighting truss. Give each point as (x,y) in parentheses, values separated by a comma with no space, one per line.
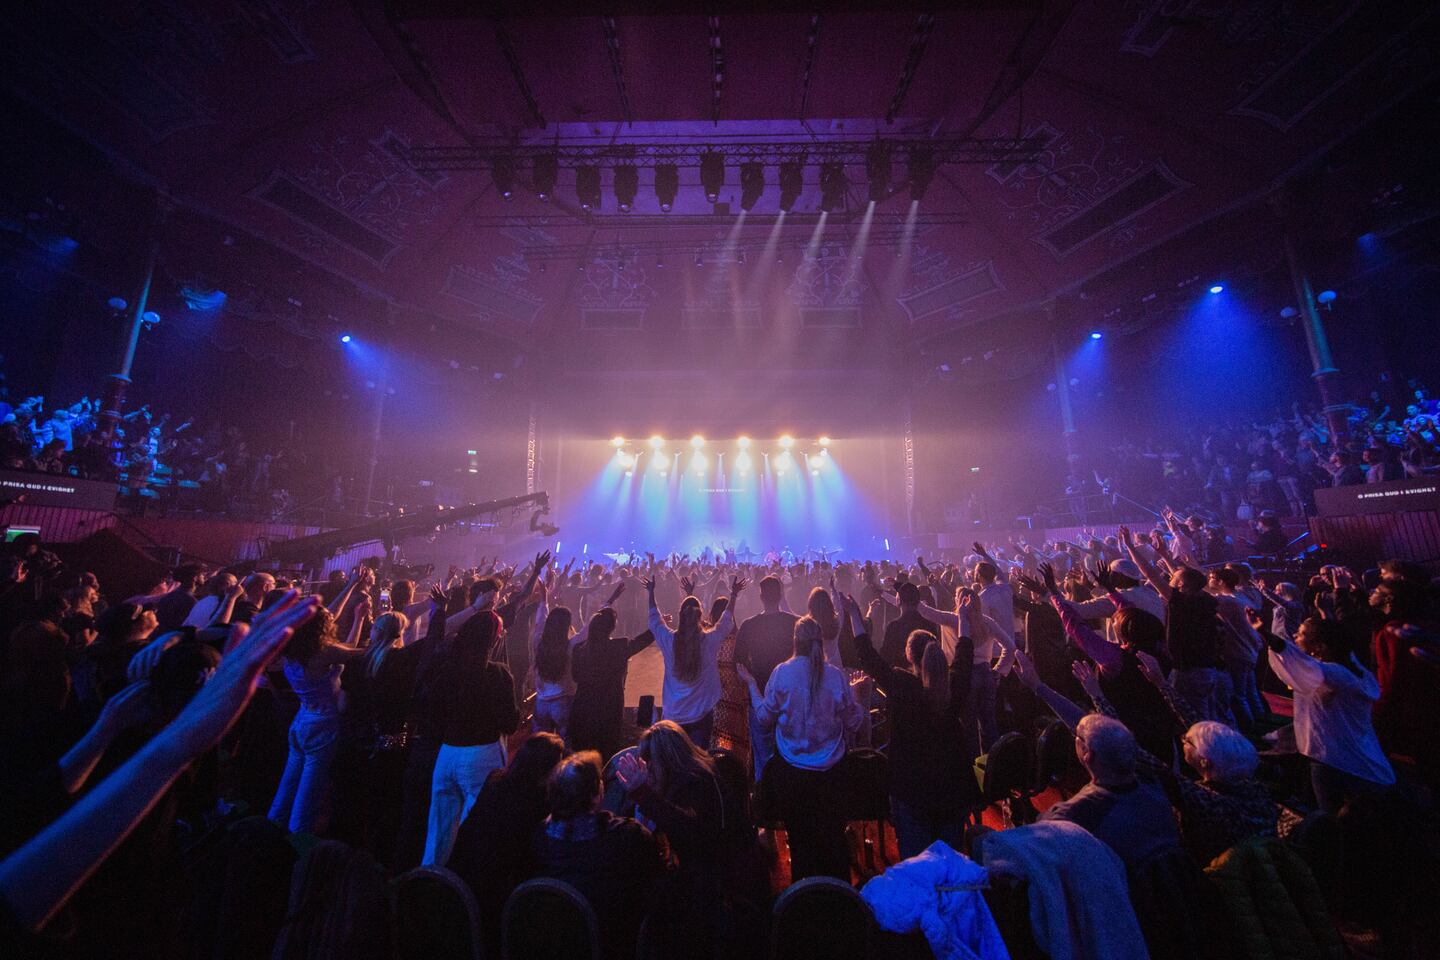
(770,152)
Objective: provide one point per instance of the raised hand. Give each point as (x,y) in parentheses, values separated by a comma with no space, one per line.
(220,701)
(1150,668)
(542,560)
(737,585)
(744,674)
(980,548)
(1125,536)
(1025,670)
(437,597)
(1102,578)
(688,585)
(1033,584)
(1089,679)
(128,708)
(873,610)
(631,771)
(1047,573)
(615,594)
(649,584)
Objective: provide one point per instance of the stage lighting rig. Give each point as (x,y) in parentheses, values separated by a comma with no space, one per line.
(546,170)
(627,182)
(877,170)
(752,185)
(921,168)
(712,174)
(503,173)
(587,187)
(667,185)
(832,187)
(792,181)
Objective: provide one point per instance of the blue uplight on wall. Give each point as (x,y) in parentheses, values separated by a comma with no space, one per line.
(1096,335)
(345,338)
(1218,288)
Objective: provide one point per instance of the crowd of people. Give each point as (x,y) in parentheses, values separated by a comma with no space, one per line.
(155,457)
(156,747)
(1239,467)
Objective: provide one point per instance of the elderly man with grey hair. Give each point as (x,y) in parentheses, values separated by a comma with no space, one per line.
(1131,815)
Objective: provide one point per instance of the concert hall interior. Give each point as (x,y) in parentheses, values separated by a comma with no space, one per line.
(712,480)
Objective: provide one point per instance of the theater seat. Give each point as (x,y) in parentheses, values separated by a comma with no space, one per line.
(435,916)
(1007,773)
(547,919)
(821,918)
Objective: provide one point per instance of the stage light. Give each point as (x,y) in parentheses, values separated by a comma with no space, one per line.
(697,441)
(116,303)
(656,442)
(627,182)
(712,174)
(1218,288)
(502,171)
(921,168)
(752,185)
(618,442)
(792,181)
(587,187)
(545,171)
(629,473)
(1096,335)
(345,338)
(832,187)
(824,441)
(815,473)
(877,170)
(743,443)
(1325,297)
(786,442)
(667,184)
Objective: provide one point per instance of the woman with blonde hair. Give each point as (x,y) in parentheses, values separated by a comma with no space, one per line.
(692,673)
(809,704)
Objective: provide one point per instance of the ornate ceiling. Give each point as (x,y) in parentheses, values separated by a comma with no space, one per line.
(293,122)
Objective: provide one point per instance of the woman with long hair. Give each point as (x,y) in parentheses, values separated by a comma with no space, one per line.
(692,674)
(932,787)
(552,641)
(703,814)
(809,704)
(474,706)
(312,662)
(492,848)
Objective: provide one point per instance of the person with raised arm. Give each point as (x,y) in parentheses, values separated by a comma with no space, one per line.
(809,704)
(1334,701)
(931,782)
(1138,704)
(691,653)
(312,663)
(990,658)
(472,707)
(1192,632)
(39,878)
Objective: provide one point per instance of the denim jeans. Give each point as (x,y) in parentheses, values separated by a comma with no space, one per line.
(916,829)
(300,800)
(980,712)
(1245,696)
(460,772)
(553,716)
